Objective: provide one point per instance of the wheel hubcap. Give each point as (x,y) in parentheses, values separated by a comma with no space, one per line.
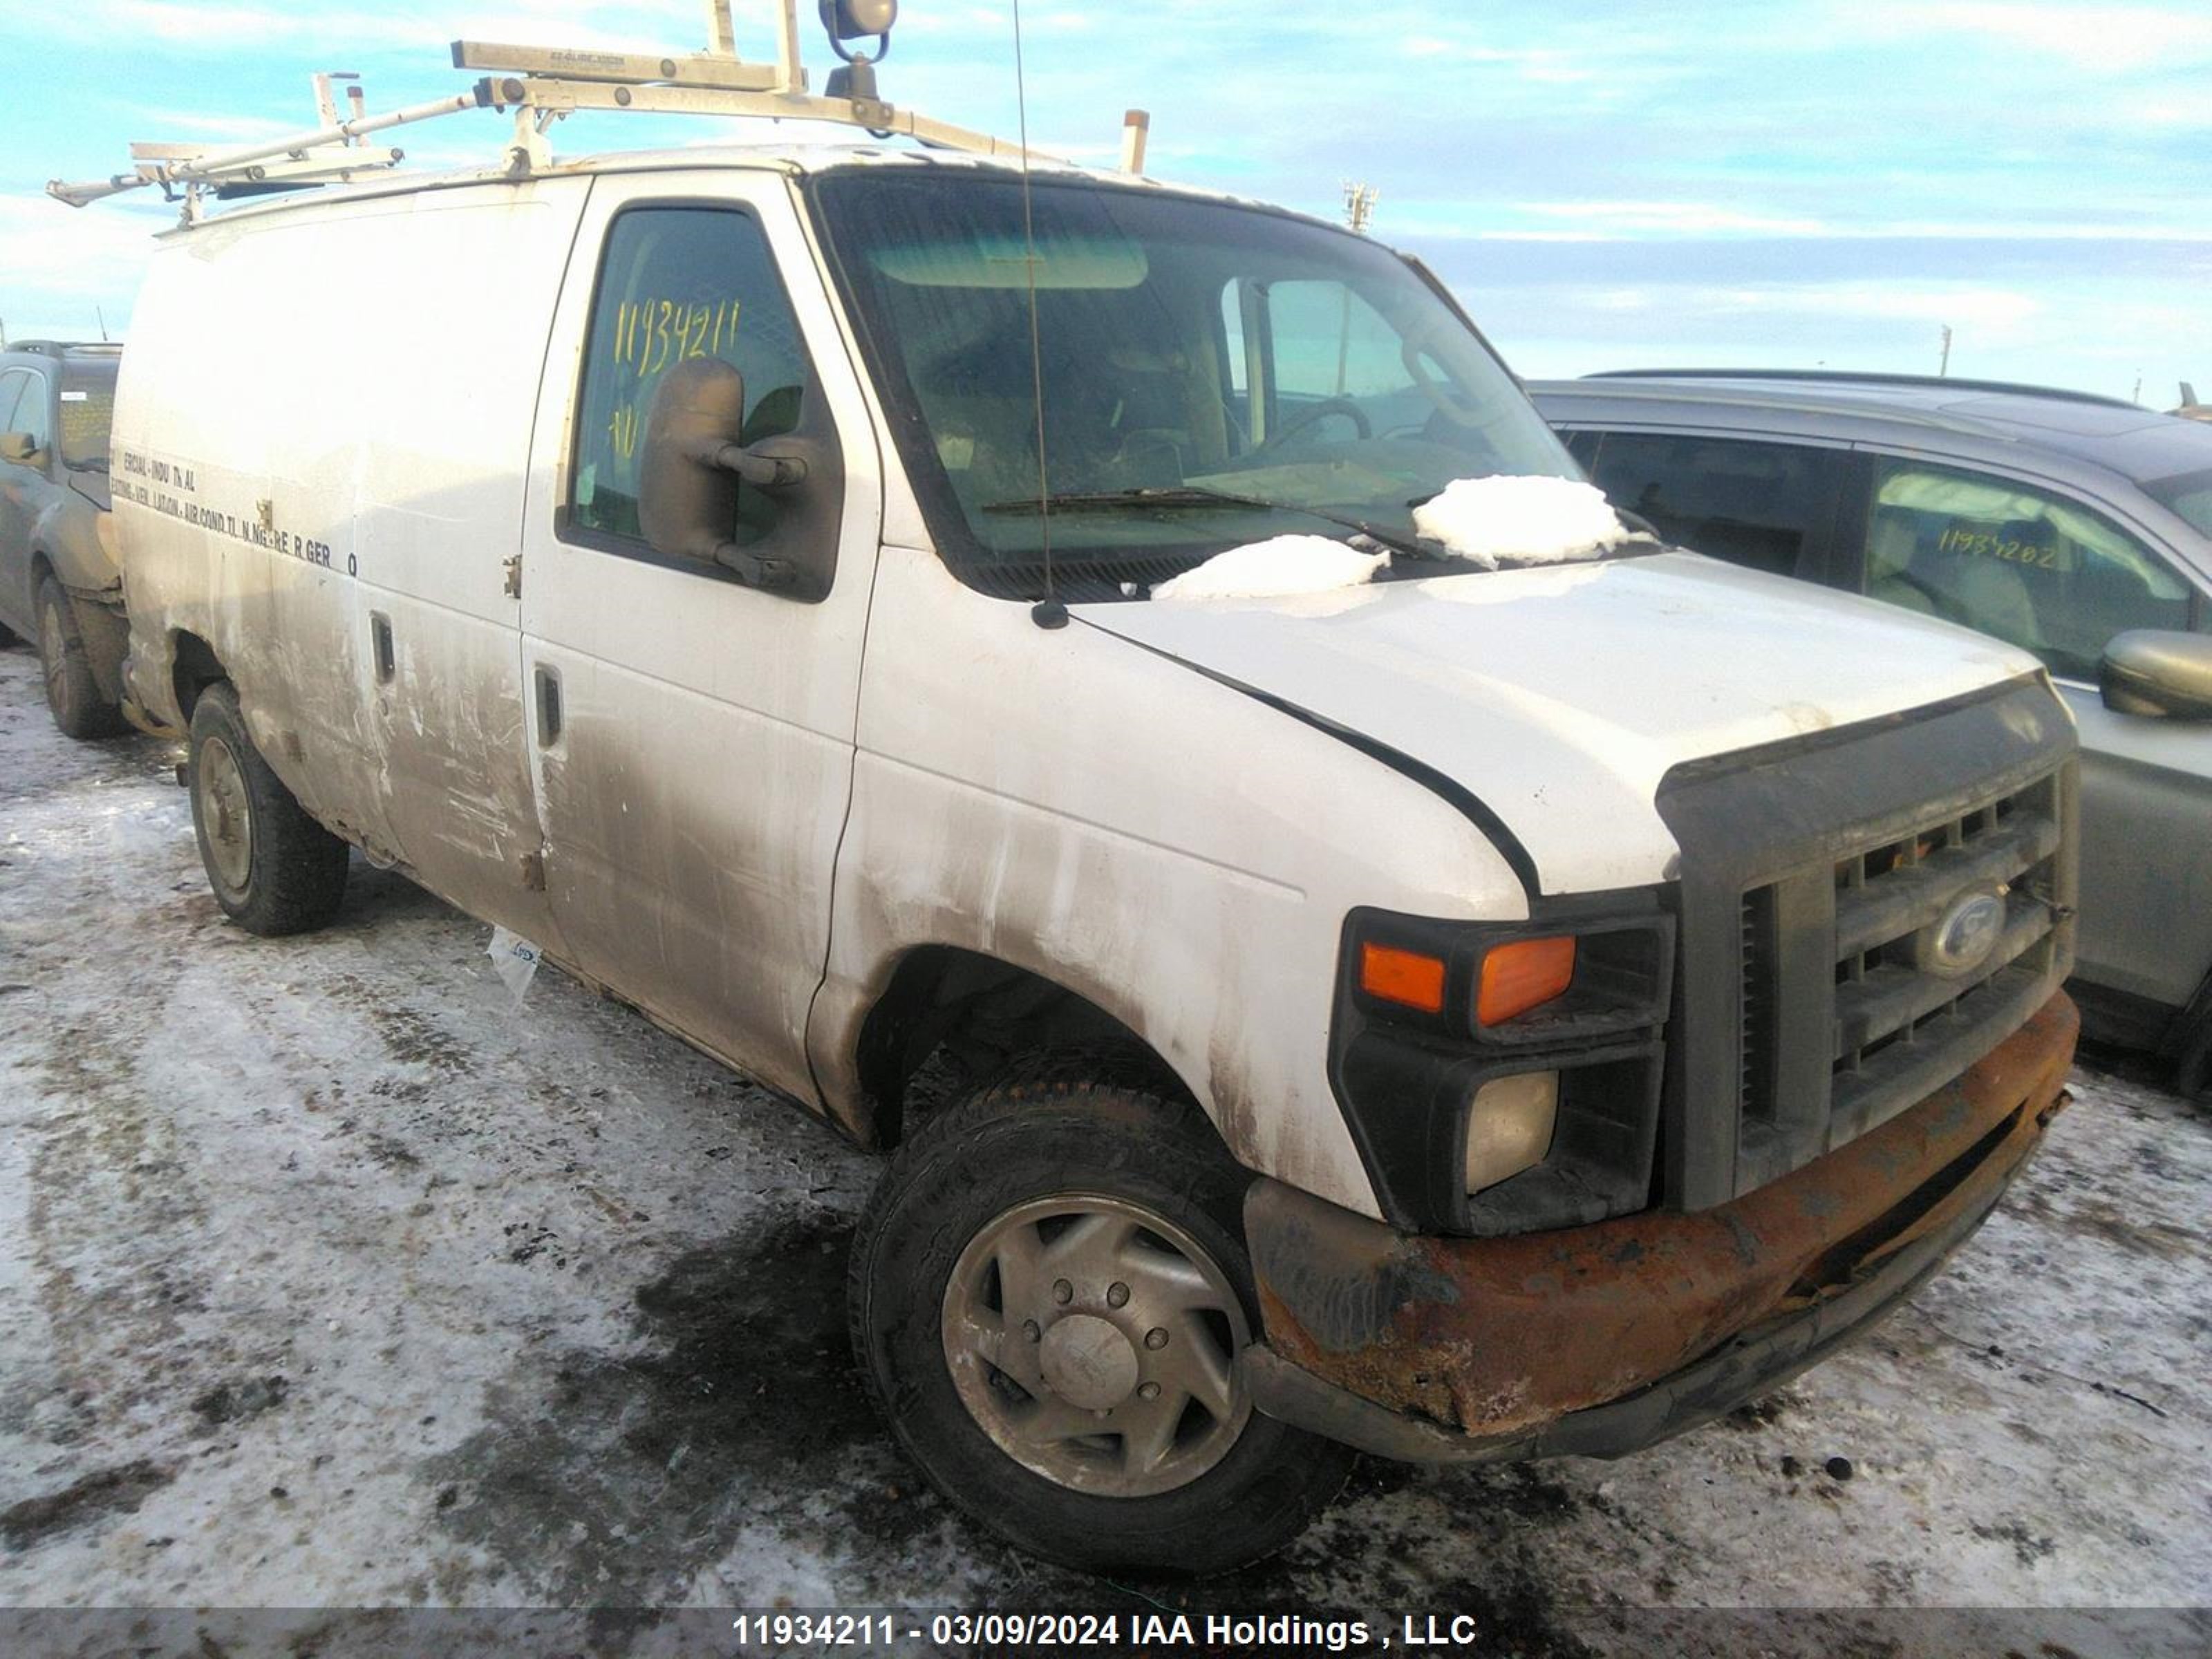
(1095,1343)
(226,823)
(1088,1363)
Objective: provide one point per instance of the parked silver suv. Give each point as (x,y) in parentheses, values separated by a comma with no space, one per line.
(60,585)
(2077,526)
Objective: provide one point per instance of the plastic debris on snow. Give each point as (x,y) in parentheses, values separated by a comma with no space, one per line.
(1520,521)
(1281,566)
(515,960)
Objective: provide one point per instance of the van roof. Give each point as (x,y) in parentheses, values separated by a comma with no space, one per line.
(784,156)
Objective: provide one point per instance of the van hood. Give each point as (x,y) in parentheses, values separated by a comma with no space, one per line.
(1560,696)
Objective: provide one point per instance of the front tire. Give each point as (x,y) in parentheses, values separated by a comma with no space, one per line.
(1047,1295)
(72,692)
(274,869)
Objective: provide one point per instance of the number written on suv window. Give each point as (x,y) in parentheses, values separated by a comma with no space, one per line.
(2034,568)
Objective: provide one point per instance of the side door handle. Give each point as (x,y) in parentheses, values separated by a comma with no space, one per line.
(380,639)
(548,683)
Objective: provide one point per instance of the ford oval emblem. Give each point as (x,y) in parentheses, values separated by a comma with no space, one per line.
(1963,937)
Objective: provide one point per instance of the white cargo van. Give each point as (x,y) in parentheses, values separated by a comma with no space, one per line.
(1468,1013)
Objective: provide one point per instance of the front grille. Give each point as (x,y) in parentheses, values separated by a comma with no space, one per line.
(1898,1024)
(1807,1009)
(1898,1027)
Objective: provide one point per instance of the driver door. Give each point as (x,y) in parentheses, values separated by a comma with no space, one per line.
(692,737)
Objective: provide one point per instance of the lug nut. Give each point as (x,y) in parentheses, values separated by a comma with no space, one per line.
(1148,1391)
(1062,1291)
(1156,1338)
(1117,1294)
(1029,1329)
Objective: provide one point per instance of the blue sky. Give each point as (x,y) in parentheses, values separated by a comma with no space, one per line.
(1793,182)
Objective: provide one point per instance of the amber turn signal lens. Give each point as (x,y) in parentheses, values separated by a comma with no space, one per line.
(1523,974)
(1404,977)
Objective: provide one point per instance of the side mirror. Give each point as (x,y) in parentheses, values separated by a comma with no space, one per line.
(693,465)
(2153,671)
(17,447)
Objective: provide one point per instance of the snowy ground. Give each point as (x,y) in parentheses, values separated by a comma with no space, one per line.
(329,1277)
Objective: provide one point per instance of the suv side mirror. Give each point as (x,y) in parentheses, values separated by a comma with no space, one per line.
(18,447)
(694,466)
(2153,671)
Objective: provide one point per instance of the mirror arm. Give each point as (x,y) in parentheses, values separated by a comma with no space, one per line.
(753,570)
(761,471)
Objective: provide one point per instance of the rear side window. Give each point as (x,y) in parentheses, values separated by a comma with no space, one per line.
(2036,570)
(1761,505)
(677,283)
(87,409)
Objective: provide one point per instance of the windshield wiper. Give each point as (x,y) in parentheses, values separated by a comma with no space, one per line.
(98,465)
(1197,496)
(1145,496)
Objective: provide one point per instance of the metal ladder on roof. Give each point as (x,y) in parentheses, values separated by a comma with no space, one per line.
(541,85)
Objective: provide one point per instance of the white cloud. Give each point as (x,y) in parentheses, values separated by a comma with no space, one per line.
(1675,218)
(62,263)
(1994,309)
(2103,38)
(1542,64)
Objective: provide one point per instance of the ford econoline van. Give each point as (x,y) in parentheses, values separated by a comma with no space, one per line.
(1485,1007)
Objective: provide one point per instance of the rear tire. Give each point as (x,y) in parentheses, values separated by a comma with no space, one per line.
(1122,1216)
(273,869)
(72,692)
(2192,1070)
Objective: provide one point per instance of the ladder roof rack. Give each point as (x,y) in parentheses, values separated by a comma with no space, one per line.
(541,85)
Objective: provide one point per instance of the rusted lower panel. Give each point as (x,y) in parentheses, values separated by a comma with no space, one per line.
(1499,1335)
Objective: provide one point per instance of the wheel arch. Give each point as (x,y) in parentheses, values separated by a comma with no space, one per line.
(194,667)
(981,1012)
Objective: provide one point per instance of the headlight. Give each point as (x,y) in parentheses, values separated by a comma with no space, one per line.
(1509,1126)
(1504,1077)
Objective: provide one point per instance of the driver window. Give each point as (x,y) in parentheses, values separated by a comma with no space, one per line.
(2035,569)
(677,283)
(1329,342)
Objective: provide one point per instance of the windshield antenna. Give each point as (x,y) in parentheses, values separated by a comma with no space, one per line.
(1048,612)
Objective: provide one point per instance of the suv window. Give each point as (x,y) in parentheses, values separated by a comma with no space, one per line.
(30,411)
(2036,570)
(11,391)
(676,282)
(1752,504)
(87,408)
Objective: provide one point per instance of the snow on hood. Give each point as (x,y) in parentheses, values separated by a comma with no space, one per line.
(1561,694)
(1520,521)
(1272,569)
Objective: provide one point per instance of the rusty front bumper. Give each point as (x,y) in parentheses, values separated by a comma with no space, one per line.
(1600,1339)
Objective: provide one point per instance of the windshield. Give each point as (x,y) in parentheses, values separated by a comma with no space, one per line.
(87,406)
(1213,375)
(2188,496)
